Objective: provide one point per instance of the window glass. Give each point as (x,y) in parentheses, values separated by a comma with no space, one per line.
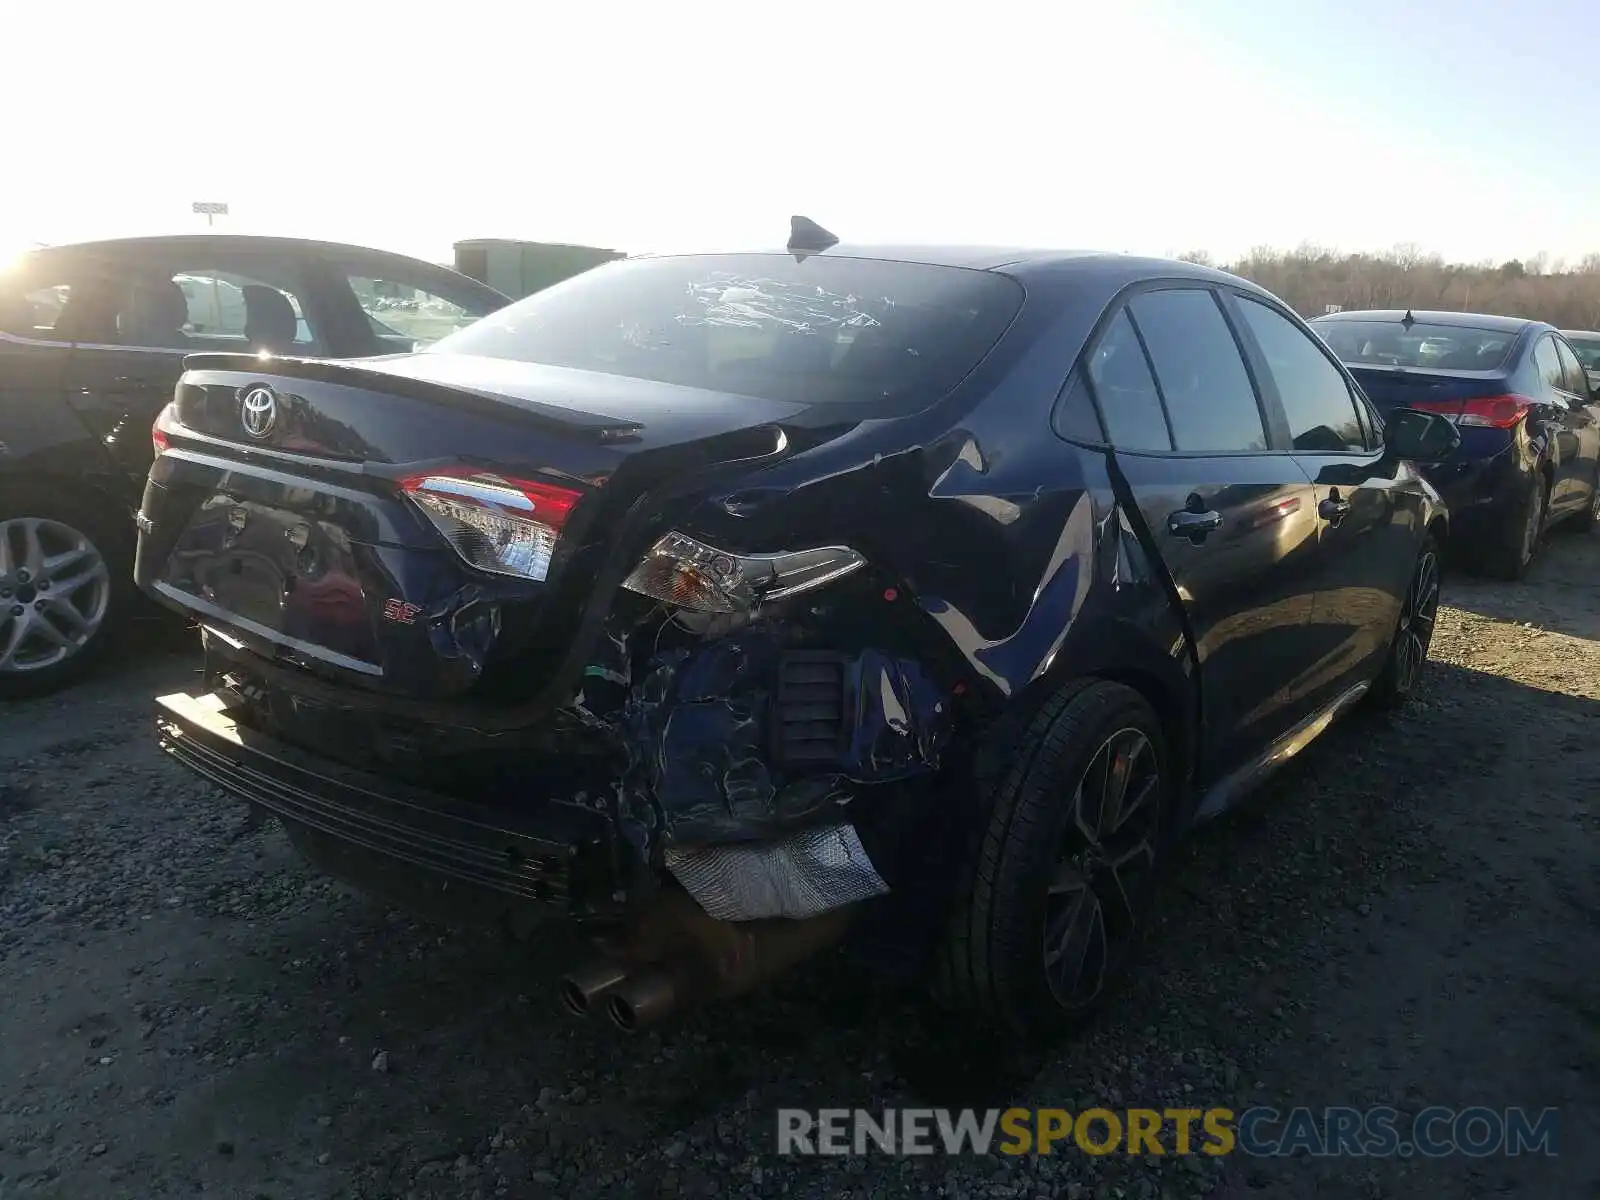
(1588,351)
(1202,376)
(1572,370)
(227,305)
(62,305)
(1075,417)
(1548,362)
(1396,344)
(406,317)
(893,336)
(1316,399)
(1126,390)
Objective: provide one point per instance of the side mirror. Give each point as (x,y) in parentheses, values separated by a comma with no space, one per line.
(1417,436)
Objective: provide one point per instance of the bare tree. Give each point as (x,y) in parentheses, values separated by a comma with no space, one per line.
(1311,277)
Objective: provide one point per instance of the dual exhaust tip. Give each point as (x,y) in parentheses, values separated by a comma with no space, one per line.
(631,999)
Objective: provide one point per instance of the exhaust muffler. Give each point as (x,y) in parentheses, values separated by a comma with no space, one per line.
(676,955)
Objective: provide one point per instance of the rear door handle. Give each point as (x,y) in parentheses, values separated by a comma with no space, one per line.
(1195,525)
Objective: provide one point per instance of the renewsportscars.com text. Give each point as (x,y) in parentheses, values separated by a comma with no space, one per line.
(1377,1132)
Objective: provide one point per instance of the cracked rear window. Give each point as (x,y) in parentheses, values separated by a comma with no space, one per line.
(891,336)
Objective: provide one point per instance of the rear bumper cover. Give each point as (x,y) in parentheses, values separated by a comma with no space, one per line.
(558,856)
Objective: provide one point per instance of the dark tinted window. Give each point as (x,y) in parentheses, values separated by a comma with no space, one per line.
(1316,399)
(1430,347)
(1126,390)
(890,335)
(1075,417)
(64,298)
(1203,380)
(1548,363)
(1576,381)
(1588,351)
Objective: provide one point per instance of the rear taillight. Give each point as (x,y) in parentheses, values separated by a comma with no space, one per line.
(506,526)
(160,431)
(1490,412)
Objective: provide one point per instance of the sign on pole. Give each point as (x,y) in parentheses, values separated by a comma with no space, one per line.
(1332,308)
(212,209)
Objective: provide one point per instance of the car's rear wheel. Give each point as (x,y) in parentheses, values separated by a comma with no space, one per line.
(1060,883)
(1518,543)
(63,589)
(1413,635)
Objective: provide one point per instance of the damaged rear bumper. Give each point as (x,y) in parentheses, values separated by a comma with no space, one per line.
(413,846)
(437,854)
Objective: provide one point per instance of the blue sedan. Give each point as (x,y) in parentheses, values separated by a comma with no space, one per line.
(1517,392)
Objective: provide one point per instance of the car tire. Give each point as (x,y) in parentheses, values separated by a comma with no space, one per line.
(1406,661)
(1043,922)
(57,613)
(1518,542)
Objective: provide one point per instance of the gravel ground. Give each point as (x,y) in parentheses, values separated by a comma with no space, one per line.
(1411,915)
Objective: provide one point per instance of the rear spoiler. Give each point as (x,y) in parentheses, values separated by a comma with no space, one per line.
(360,374)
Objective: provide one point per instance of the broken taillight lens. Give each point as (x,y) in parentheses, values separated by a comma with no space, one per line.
(688,574)
(505,526)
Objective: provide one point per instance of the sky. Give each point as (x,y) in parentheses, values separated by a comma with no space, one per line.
(1463,127)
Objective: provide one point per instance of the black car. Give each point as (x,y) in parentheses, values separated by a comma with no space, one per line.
(1530,429)
(734,605)
(92,341)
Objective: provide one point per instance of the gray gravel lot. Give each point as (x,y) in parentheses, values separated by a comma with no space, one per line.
(1410,916)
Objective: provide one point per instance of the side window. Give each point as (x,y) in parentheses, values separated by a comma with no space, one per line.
(225,310)
(1202,376)
(1572,370)
(1316,399)
(1120,375)
(1548,362)
(67,306)
(405,316)
(1074,417)
(30,311)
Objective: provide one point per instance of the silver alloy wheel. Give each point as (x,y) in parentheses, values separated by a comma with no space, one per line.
(55,589)
(1417,616)
(1108,859)
(1535,524)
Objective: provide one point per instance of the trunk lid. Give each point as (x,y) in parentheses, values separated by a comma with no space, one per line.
(280,514)
(1441,391)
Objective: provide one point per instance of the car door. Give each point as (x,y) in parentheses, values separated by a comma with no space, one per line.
(1369,509)
(115,384)
(40,434)
(1568,487)
(1583,419)
(1232,520)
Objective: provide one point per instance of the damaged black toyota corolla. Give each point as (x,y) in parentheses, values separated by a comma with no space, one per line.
(740,605)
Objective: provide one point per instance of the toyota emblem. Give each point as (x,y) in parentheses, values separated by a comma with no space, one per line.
(258,411)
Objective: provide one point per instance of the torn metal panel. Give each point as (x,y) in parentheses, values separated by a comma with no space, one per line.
(744,738)
(802,875)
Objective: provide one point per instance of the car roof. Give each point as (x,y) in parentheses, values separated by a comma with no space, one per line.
(1499,324)
(221,242)
(1011,260)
